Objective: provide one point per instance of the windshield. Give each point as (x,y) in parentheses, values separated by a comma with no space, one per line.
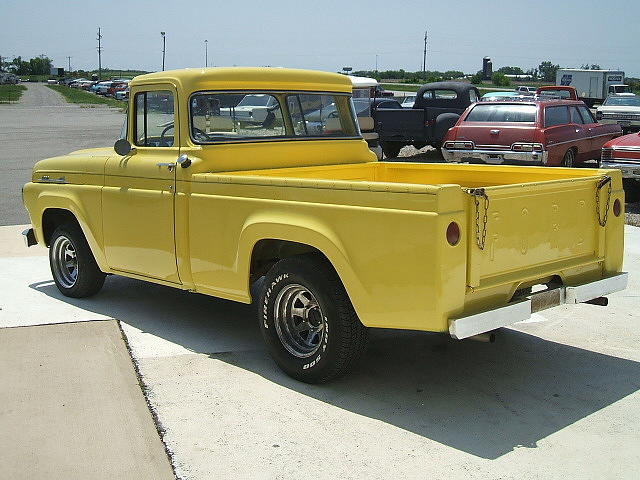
(502,113)
(255,101)
(622,101)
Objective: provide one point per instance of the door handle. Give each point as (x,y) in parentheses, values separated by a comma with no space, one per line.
(170,165)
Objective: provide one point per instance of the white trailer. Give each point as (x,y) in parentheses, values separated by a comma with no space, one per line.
(593,85)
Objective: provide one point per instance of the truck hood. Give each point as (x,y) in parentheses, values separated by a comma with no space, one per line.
(87,161)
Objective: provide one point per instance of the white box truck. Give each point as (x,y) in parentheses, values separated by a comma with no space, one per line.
(593,85)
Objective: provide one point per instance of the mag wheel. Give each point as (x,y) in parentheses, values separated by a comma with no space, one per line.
(73,266)
(308,322)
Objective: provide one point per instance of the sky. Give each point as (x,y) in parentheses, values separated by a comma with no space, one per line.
(326,34)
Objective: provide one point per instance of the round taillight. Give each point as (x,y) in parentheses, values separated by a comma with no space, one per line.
(617,207)
(453,233)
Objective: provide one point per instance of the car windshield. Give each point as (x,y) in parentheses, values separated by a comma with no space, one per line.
(502,113)
(622,101)
(255,101)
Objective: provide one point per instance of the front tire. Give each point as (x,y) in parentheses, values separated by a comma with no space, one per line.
(73,266)
(308,322)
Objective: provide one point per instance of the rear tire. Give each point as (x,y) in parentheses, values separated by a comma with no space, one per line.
(391,149)
(569,158)
(308,322)
(73,266)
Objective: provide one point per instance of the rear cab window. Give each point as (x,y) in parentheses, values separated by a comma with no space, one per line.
(252,116)
(510,113)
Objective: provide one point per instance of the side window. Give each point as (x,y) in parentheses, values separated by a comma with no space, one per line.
(575,116)
(587,116)
(316,115)
(428,95)
(235,116)
(154,119)
(556,116)
(472,96)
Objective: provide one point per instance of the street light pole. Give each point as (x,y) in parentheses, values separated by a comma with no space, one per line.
(206,54)
(164,43)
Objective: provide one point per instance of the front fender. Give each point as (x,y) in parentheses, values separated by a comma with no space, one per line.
(83,201)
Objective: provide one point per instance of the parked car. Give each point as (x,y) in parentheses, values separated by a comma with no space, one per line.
(524,90)
(437,108)
(122,94)
(115,86)
(621,109)
(8,78)
(253,109)
(500,96)
(535,132)
(558,91)
(379,91)
(408,101)
(623,153)
(326,241)
(101,87)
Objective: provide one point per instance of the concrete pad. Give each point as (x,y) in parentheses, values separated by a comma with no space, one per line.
(12,243)
(71,406)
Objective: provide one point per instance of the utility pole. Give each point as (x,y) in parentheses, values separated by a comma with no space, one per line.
(424,56)
(206,54)
(163,48)
(99,55)
(69,64)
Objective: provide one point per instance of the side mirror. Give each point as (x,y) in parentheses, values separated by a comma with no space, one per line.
(123,147)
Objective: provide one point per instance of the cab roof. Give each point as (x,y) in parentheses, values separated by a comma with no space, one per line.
(244,78)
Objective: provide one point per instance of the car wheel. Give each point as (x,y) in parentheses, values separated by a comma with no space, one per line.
(391,149)
(569,158)
(308,322)
(73,266)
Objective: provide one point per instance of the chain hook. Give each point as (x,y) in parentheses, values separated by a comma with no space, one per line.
(606,180)
(477,194)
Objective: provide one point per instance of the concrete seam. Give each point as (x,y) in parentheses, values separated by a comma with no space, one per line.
(145,393)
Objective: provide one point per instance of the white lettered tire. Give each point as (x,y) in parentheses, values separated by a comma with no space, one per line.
(307,321)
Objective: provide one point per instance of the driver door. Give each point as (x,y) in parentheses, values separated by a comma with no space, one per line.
(139,189)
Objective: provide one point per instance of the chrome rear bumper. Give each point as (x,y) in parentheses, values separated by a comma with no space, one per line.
(495,157)
(482,322)
(629,170)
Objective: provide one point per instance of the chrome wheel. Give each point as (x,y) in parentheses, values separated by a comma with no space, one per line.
(299,321)
(569,157)
(64,262)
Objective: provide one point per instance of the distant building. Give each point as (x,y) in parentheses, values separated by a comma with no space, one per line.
(487,68)
(56,72)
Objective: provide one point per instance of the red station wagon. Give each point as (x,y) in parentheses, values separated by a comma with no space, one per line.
(537,132)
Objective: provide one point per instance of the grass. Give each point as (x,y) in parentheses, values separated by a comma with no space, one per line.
(11,93)
(75,95)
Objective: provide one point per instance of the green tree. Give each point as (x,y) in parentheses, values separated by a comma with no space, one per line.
(499,79)
(548,71)
(476,79)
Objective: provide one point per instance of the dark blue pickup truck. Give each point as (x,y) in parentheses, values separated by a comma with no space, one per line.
(437,108)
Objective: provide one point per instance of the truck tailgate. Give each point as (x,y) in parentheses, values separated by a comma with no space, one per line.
(519,233)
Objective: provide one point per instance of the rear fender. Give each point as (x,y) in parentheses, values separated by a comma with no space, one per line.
(304,230)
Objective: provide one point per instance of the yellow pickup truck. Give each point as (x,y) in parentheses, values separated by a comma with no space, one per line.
(227,176)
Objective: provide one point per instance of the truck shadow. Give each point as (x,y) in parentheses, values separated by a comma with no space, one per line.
(483,399)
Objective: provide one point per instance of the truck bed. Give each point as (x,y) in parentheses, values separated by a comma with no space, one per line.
(539,226)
